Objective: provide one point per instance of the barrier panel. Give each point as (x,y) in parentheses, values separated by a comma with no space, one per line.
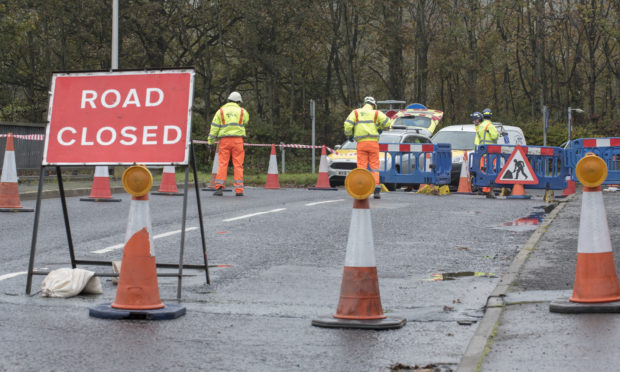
(416,163)
(607,149)
(547,163)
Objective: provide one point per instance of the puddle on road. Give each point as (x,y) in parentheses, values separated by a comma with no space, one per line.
(453,276)
(523,224)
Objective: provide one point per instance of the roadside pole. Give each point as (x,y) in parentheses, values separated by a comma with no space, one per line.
(312,114)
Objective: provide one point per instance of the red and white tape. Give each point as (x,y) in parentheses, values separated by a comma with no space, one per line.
(31,137)
(294,146)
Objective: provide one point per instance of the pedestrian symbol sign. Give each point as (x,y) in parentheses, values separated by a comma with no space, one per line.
(517,169)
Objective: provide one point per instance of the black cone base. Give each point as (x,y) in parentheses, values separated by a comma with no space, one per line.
(564,305)
(105,311)
(391,322)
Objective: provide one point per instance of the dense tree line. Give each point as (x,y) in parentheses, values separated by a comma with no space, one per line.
(457,56)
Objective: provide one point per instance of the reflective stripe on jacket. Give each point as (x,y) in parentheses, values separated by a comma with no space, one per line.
(364,124)
(228,121)
(486,133)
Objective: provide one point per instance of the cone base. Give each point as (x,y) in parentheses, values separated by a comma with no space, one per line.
(16,210)
(323,188)
(564,305)
(105,311)
(100,199)
(391,322)
(167,193)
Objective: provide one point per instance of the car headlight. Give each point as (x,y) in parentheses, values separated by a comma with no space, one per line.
(457,159)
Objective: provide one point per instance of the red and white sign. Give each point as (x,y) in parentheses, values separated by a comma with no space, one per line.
(517,169)
(123,117)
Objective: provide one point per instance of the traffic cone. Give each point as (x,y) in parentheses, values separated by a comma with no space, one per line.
(322,182)
(214,169)
(360,302)
(570,188)
(272,172)
(9,192)
(168,185)
(100,191)
(518,192)
(596,287)
(465,179)
(137,294)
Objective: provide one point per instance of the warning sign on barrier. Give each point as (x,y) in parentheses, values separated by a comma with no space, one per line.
(517,169)
(122,117)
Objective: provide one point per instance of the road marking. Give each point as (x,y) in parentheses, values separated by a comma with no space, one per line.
(12,275)
(163,235)
(253,214)
(323,202)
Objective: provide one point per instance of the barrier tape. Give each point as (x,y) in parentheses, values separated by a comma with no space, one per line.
(294,146)
(32,137)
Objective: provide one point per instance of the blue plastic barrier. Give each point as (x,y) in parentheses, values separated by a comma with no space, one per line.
(607,149)
(547,163)
(416,163)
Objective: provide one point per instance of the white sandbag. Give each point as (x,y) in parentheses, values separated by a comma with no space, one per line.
(67,282)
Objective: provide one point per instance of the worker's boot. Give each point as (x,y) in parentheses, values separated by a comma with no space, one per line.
(218,192)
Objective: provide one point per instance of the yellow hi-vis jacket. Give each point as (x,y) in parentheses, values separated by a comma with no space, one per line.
(228,121)
(486,133)
(364,124)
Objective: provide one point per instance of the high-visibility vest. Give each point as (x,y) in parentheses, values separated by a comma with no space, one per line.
(229,121)
(485,136)
(364,124)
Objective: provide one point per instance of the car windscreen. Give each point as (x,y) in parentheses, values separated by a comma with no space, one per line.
(459,140)
(349,145)
(389,138)
(413,121)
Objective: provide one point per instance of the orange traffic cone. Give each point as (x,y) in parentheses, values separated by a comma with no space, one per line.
(137,295)
(168,185)
(518,192)
(322,182)
(100,191)
(9,193)
(570,188)
(596,287)
(272,172)
(360,302)
(465,179)
(596,279)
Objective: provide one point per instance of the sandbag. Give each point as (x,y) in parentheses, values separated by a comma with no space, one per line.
(63,283)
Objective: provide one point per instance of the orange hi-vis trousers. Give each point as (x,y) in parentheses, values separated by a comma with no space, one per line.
(368,153)
(230,146)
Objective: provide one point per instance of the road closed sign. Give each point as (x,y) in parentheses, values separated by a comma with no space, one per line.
(123,117)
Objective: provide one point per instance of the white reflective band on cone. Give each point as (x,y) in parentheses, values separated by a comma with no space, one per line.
(169,169)
(323,164)
(593,229)
(139,216)
(273,165)
(9,170)
(465,167)
(360,250)
(101,171)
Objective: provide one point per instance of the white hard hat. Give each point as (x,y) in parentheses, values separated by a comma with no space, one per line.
(235,97)
(370,100)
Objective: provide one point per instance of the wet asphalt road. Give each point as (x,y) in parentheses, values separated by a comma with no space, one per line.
(287,262)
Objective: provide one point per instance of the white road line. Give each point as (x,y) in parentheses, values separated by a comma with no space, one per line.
(323,202)
(163,235)
(12,275)
(253,214)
